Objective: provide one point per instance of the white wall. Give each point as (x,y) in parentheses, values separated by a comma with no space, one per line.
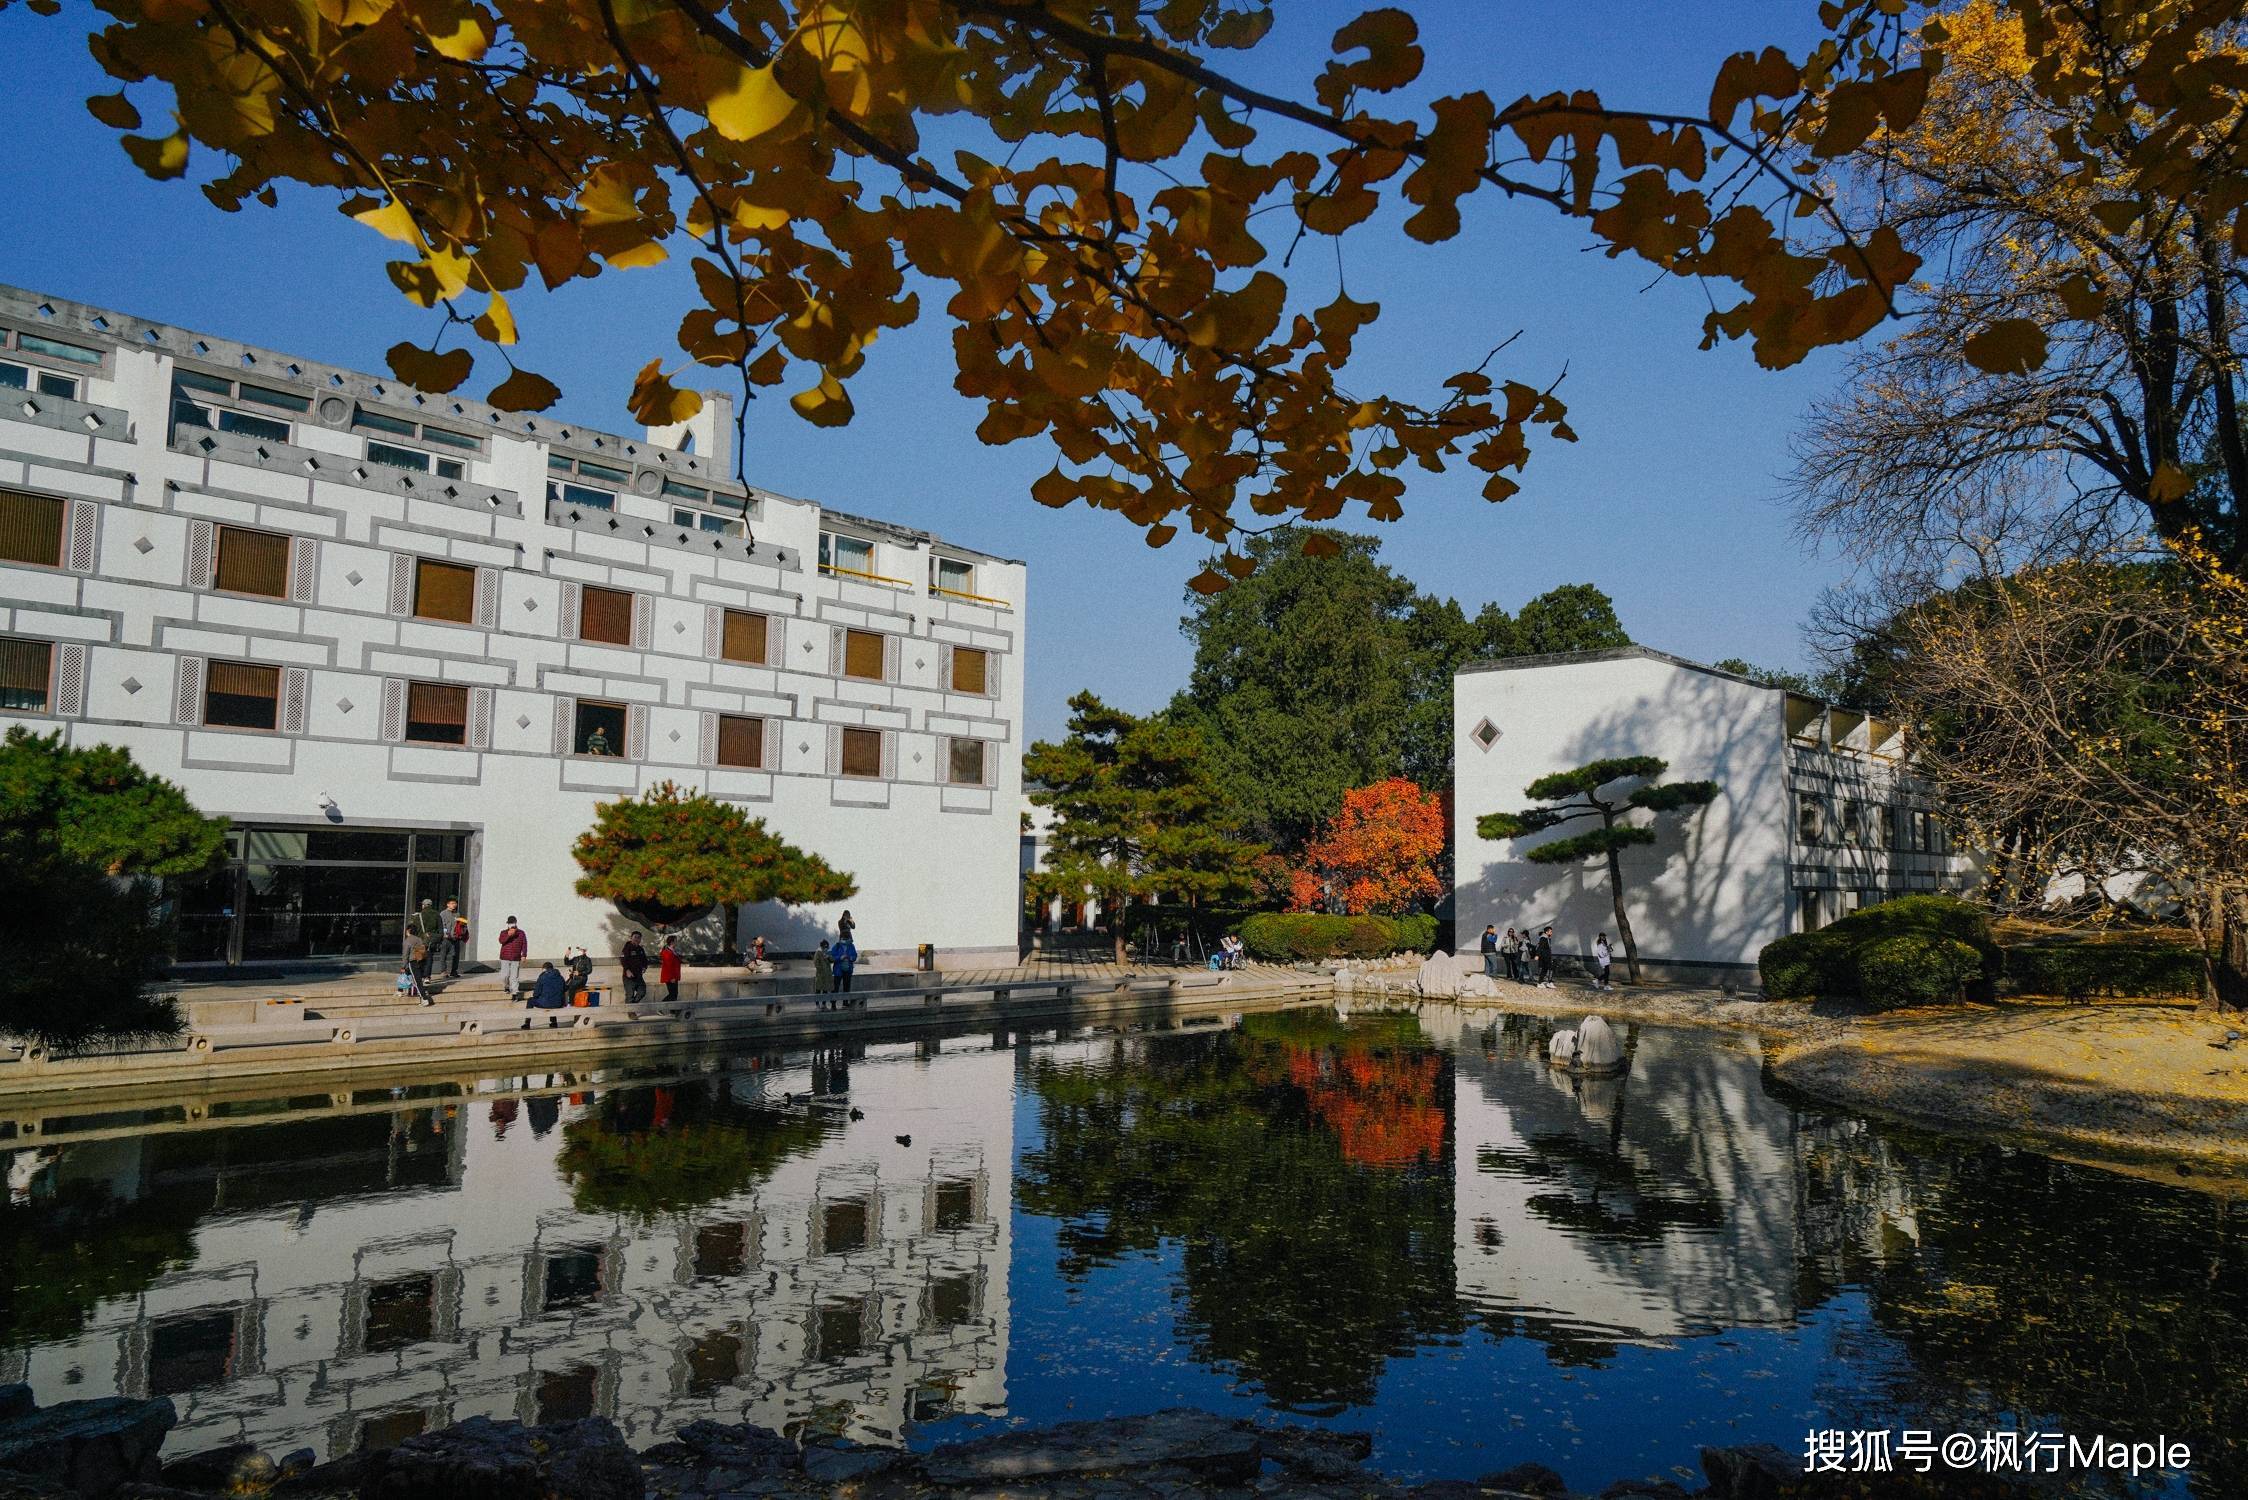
(1713,887)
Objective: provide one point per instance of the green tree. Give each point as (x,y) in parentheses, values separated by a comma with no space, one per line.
(1575,795)
(665,1149)
(670,855)
(1138,814)
(1324,670)
(84,836)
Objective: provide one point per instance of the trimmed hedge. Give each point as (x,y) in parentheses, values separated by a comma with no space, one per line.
(2135,968)
(1915,968)
(1296,937)
(1920,949)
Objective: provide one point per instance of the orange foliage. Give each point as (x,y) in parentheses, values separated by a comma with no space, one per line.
(1380,853)
(1383,1106)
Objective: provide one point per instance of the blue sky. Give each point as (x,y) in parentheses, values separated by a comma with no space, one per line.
(1667,502)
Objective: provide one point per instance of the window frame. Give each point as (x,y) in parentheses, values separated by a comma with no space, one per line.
(718,745)
(586,593)
(764,657)
(417,686)
(220,532)
(415,610)
(831,552)
(62,527)
(843,743)
(984,776)
(210,677)
(579,733)
(882,654)
(46,704)
(38,380)
(952,681)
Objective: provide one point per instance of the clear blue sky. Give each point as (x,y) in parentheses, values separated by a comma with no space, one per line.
(1667,502)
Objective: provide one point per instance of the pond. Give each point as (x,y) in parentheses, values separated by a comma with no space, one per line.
(1406,1223)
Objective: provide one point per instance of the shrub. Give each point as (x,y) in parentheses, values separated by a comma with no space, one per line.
(1297,937)
(1915,968)
(2135,967)
(1928,916)
(1806,965)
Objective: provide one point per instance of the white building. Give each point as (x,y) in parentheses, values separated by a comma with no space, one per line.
(1815,817)
(406,643)
(357,1277)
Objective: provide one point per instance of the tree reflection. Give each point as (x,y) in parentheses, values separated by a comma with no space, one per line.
(1302,1166)
(645,1152)
(63,1256)
(2073,1299)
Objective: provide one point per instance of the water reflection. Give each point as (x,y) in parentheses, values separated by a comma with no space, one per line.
(1403,1221)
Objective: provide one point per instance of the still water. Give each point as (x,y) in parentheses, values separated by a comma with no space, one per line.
(1398,1222)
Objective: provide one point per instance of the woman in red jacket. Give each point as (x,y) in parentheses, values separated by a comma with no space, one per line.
(667,968)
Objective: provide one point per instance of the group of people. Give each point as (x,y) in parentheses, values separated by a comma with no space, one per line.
(1528,957)
(436,938)
(1230,953)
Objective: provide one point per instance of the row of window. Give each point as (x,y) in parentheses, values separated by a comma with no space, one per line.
(27,375)
(251,695)
(1854,823)
(846,556)
(271,565)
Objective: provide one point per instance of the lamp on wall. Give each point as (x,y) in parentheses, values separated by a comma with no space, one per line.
(328,806)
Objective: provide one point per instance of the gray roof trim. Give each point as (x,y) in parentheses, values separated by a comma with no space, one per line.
(1642,653)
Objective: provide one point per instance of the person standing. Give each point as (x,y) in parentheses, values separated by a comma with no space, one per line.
(667,968)
(846,957)
(844,927)
(1490,946)
(1601,959)
(515,946)
(1510,949)
(456,936)
(422,930)
(634,962)
(1545,957)
(823,971)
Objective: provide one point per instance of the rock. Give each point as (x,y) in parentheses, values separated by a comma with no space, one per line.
(16,1401)
(336,1480)
(1314,1453)
(298,1461)
(1526,1479)
(14,1486)
(1478,986)
(141,1489)
(236,1469)
(742,1446)
(1756,1471)
(90,1446)
(1439,976)
(1209,1448)
(1562,1050)
(1598,1050)
(1644,1489)
(836,1462)
(480,1459)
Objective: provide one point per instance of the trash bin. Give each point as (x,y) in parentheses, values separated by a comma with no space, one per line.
(925,958)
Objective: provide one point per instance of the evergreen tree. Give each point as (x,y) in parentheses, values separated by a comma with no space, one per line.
(1574,795)
(670,855)
(1137,812)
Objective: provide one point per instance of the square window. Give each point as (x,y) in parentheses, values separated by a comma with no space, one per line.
(190,1353)
(846,1226)
(253,562)
(600,729)
(863,655)
(948,576)
(1485,734)
(971,670)
(437,713)
(721,1250)
(968,761)
(241,695)
(569,1395)
(714,1362)
(744,637)
(1810,820)
(862,752)
(955,1205)
(51,384)
(741,742)
(841,1328)
(444,591)
(30,529)
(393,456)
(257,427)
(15,377)
(24,669)
(572,1277)
(605,615)
(400,1313)
(948,1302)
(846,554)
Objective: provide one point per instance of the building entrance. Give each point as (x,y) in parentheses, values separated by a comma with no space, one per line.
(307,893)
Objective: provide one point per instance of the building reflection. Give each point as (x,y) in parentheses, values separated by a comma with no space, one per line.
(651,1250)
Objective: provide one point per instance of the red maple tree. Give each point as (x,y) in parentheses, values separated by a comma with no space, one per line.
(1382,851)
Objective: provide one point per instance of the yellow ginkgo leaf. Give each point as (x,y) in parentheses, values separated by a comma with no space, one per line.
(656,402)
(497,321)
(161,157)
(649,254)
(755,105)
(824,405)
(392,220)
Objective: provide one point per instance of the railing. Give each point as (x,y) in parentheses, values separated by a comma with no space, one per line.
(971,598)
(836,570)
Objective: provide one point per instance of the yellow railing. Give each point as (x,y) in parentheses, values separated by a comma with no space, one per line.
(836,571)
(972,598)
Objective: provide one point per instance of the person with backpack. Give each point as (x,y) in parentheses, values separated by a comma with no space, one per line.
(515,946)
(1545,957)
(1490,946)
(667,968)
(453,937)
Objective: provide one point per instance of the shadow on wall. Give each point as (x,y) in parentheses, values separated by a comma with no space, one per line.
(1713,885)
(785,930)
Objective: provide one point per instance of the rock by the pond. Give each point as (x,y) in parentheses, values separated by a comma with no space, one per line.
(1598,1049)
(89,1446)
(1439,976)
(480,1459)
(1526,1479)
(236,1469)
(1478,986)
(1314,1453)
(15,1401)
(1200,1444)
(1562,1050)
